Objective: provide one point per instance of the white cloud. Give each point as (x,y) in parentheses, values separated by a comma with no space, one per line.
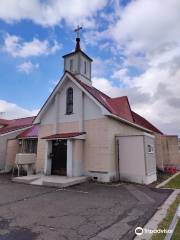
(105,86)
(147,35)
(12,110)
(122,74)
(15,46)
(27,67)
(148,25)
(50,13)
(101,66)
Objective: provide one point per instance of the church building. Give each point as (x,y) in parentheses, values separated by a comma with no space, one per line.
(80,131)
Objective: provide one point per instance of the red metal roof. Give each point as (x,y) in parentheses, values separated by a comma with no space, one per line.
(64,135)
(118,106)
(97,94)
(4,122)
(30,132)
(16,124)
(121,108)
(144,123)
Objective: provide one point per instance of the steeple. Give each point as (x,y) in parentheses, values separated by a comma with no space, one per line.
(77,62)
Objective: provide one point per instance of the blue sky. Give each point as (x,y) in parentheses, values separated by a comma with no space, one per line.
(18,86)
(134,45)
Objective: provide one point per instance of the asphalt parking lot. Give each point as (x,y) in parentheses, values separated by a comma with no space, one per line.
(87,211)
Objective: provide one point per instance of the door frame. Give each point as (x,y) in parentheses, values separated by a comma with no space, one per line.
(48,160)
(57,160)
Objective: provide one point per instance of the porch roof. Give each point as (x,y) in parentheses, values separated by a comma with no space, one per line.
(30,132)
(64,135)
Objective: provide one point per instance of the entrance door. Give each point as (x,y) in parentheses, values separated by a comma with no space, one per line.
(59,157)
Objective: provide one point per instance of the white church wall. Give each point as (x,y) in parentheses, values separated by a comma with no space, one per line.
(91,110)
(96,153)
(49,115)
(101,153)
(99,147)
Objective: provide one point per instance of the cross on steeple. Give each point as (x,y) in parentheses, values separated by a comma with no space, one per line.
(77,30)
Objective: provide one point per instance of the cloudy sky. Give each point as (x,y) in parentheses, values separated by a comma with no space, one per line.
(135,46)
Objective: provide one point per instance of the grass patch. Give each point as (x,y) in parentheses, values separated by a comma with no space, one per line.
(174,183)
(164,224)
(176,234)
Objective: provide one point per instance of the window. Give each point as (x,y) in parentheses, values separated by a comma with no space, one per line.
(71,65)
(69,101)
(150,149)
(85,67)
(28,146)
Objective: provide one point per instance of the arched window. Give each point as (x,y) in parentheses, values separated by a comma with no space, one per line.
(69,101)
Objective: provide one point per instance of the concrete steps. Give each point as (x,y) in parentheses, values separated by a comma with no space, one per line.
(50,181)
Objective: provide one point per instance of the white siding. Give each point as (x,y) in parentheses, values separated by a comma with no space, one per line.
(49,117)
(91,110)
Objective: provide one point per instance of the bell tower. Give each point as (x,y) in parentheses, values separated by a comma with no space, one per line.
(78,62)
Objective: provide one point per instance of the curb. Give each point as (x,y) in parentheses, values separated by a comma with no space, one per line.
(158,216)
(167,180)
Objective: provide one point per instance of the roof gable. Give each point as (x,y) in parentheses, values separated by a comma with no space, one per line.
(119,106)
(98,97)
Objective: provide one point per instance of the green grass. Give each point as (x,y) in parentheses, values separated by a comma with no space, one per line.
(174,183)
(176,234)
(167,221)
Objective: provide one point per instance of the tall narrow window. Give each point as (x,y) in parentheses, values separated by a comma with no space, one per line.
(71,65)
(85,67)
(69,101)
